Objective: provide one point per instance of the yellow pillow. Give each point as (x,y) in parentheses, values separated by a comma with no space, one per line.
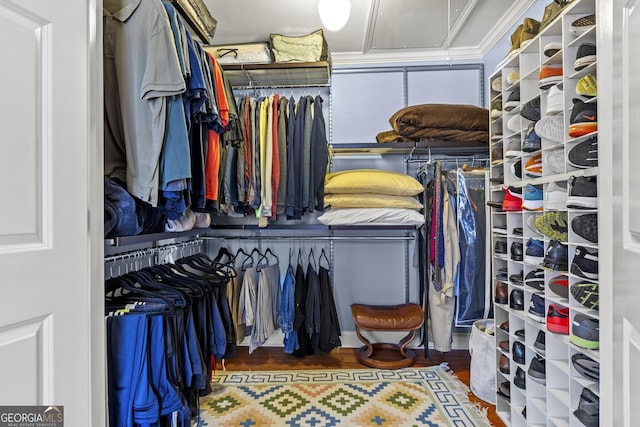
(370,200)
(372,181)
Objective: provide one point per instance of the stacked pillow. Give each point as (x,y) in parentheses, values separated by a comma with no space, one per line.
(371,196)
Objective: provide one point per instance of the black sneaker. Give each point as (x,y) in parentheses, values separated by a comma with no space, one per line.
(502,273)
(585,331)
(557,257)
(519,333)
(539,343)
(584,118)
(584,154)
(585,56)
(516,169)
(519,379)
(537,370)
(586,293)
(516,251)
(535,279)
(505,390)
(531,109)
(588,411)
(532,141)
(536,308)
(559,285)
(586,366)
(500,247)
(586,226)
(512,101)
(553,225)
(518,352)
(516,299)
(583,192)
(517,279)
(585,263)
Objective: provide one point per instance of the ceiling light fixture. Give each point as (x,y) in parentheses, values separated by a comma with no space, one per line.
(334,14)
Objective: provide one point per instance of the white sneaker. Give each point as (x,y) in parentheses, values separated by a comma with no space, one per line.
(551,128)
(555,196)
(552,48)
(514,124)
(513,149)
(554,162)
(531,224)
(513,77)
(496,84)
(555,100)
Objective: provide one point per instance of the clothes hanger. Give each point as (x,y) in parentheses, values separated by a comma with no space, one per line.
(323,254)
(312,260)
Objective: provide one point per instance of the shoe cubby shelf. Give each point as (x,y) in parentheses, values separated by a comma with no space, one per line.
(541,306)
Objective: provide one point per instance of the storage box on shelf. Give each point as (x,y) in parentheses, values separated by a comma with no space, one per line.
(546,73)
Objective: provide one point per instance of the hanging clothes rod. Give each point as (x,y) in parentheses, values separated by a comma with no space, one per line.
(331,238)
(450,159)
(157,250)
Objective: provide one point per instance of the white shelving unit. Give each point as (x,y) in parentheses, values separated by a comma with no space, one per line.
(553,403)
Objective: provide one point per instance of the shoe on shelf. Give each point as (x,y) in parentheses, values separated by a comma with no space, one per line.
(588,411)
(519,379)
(532,141)
(535,279)
(582,25)
(517,279)
(554,225)
(504,364)
(549,76)
(552,48)
(512,201)
(517,231)
(586,226)
(513,100)
(531,109)
(558,319)
(496,108)
(500,247)
(514,125)
(533,166)
(556,257)
(533,199)
(513,77)
(585,331)
(516,251)
(496,84)
(586,293)
(534,255)
(587,86)
(539,343)
(519,333)
(555,100)
(583,192)
(555,195)
(516,300)
(585,56)
(516,168)
(585,263)
(586,366)
(530,29)
(584,118)
(504,326)
(536,308)
(504,346)
(537,369)
(518,352)
(559,285)
(554,162)
(516,38)
(531,224)
(584,154)
(502,293)
(513,149)
(496,155)
(504,390)
(551,128)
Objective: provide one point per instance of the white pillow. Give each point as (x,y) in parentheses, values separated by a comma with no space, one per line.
(372,216)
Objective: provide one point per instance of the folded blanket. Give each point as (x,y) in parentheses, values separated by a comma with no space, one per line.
(392,136)
(439,116)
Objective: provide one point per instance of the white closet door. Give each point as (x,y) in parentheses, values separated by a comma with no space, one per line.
(49,133)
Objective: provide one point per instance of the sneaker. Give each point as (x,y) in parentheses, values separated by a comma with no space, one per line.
(496,155)
(516,39)
(516,251)
(585,56)
(555,196)
(536,308)
(582,25)
(549,76)
(559,285)
(585,331)
(513,149)
(513,77)
(532,141)
(512,201)
(588,411)
(516,302)
(534,254)
(537,370)
(586,366)
(585,263)
(517,279)
(552,48)
(551,128)
(584,118)
(554,225)
(539,343)
(505,390)
(513,125)
(531,224)
(516,168)
(586,293)
(519,379)
(554,161)
(555,100)
(496,108)
(519,333)
(586,226)
(587,86)
(583,192)
(532,200)
(513,100)
(531,109)
(557,256)
(533,166)
(500,247)
(584,154)
(558,319)
(496,84)
(530,29)
(517,231)
(535,279)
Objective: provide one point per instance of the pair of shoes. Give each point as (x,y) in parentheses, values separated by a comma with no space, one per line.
(558,319)
(582,24)
(532,199)
(555,100)
(535,279)
(539,343)
(502,292)
(585,331)
(513,149)
(535,252)
(533,167)
(496,108)
(519,379)
(514,125)
(559,285)
(500,247)
(583,192)
(586,226)
(584,118)
(516,299)
(517,279)
(584,154)
(552,48)
(555,195)
(586,293)
(586,366)
(588,411)
(532,141)
(504,390)
(504,365)
(512,201)
(518,352)
(504,346)
(585,56)
(587,86)
(549,76)
(496,84)
(513,100)
(537,369)
(553,225)
(523,34)
(536,308)
(585,263)
(516,251)
(531,109)
(556,257)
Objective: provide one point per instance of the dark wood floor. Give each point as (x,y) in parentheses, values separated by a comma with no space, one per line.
(273,358)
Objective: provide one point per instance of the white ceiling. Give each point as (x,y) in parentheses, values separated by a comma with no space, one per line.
(377,30)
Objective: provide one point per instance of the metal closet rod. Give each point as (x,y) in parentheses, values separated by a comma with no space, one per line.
(259,237)
(153,250)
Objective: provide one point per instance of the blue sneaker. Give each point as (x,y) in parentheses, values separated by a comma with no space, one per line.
(532,141)
(534,254)
(532,199)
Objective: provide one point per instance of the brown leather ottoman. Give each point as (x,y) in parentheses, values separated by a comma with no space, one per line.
(402,317)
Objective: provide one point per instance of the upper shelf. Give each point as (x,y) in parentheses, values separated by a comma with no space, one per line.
(293,74)
(435,148)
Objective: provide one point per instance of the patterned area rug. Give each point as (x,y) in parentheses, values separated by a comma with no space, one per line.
(356,397)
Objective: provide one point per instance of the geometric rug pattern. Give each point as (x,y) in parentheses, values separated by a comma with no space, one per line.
(430,396)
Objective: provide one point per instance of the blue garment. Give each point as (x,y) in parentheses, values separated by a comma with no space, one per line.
(120,211)
(287,312)
(168,394)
